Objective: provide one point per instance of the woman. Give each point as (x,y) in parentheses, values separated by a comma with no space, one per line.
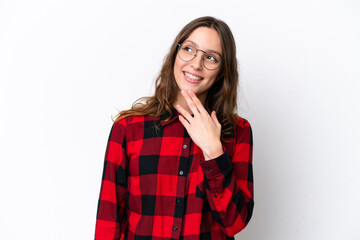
(178,165)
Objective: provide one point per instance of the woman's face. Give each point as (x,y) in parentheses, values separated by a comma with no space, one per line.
(193,75)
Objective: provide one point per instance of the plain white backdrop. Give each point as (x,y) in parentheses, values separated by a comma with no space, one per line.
(67,66)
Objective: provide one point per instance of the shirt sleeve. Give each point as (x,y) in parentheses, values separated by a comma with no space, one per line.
(111,216)
(229,183)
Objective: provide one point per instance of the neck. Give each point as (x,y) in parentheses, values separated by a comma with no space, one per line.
(182,102)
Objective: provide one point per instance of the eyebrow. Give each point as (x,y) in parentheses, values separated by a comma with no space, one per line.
(208,50)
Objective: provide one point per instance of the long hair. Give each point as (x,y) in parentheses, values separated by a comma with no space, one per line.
(221,97)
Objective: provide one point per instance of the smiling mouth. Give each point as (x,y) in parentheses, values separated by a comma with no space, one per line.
(192,77)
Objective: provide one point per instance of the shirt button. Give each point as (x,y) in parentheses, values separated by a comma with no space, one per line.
(207,169)
(178,200)
(184,146)
(181,173)
(175,228)
(215,196)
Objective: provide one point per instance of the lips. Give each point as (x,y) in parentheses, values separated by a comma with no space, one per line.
(192,78)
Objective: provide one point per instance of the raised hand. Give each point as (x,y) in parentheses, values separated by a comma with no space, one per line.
(204,130)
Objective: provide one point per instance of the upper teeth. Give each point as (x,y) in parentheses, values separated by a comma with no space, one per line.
(192,76)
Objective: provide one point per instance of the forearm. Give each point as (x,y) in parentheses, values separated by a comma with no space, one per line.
(230,197)
(213,150)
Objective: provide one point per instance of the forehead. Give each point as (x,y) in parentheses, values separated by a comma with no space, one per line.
(206,39)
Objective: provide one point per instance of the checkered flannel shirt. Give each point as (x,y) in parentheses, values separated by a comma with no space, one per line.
(156,184)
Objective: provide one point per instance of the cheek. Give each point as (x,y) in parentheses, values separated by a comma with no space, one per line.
(214,75)
(177,72)
(178,64)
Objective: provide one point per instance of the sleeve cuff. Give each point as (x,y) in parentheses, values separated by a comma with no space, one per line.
(217,166)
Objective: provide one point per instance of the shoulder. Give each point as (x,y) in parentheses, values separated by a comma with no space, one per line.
(242,122)
(134,126)
(133,119)
(243,132)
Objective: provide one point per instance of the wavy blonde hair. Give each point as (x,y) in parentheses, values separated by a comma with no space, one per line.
(221,97)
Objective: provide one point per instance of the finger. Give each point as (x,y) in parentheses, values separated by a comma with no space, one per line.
(184,122)
(214,118)
(185,113)
(190,103)
(197,102)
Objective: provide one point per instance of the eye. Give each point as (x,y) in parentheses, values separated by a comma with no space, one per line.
(187,49)
(212,58)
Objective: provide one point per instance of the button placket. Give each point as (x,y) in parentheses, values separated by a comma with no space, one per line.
(179,201)
(176,228)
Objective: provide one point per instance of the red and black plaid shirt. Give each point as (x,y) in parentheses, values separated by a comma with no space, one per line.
(156,184)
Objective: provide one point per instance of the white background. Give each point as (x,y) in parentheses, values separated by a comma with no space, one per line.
(66,67)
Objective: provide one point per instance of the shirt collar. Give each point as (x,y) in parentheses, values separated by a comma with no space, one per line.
(173,116)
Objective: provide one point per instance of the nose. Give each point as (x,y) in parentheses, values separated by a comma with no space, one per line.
(197,61)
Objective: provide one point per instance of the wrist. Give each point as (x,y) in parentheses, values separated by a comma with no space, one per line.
(213,151)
